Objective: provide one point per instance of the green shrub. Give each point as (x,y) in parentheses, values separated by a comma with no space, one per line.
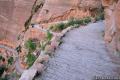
(77,21)
(30,59)
(30,45)
(83,21)
(70,22)
(58,27)
(10,60)
(49,35)
(86,20)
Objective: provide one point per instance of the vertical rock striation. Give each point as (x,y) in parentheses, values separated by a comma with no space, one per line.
(112,22)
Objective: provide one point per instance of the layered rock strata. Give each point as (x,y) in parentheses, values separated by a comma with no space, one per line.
(57,10)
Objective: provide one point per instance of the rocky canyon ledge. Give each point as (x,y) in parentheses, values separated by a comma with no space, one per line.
(82,56)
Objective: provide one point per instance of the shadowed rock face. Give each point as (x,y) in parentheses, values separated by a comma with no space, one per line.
(13,14)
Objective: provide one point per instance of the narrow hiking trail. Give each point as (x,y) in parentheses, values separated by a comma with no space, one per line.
(82,56)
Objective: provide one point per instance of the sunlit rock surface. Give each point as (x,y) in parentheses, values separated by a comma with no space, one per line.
(112,22)
(13,14)
(56,10)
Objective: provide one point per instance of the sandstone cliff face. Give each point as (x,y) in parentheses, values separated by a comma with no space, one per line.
(117,20)
(13,14)
(57,10)
(112,22)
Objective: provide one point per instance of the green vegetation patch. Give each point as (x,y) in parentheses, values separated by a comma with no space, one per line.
(86,20)
(30,45)
(49,35)
(58,27)
(10,60)
(72,22)
(31,59)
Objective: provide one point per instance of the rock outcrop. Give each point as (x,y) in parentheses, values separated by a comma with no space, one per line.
(112,22)
(57,10)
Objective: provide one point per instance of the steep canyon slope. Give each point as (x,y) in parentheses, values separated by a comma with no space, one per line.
(57,10)
(14,13)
